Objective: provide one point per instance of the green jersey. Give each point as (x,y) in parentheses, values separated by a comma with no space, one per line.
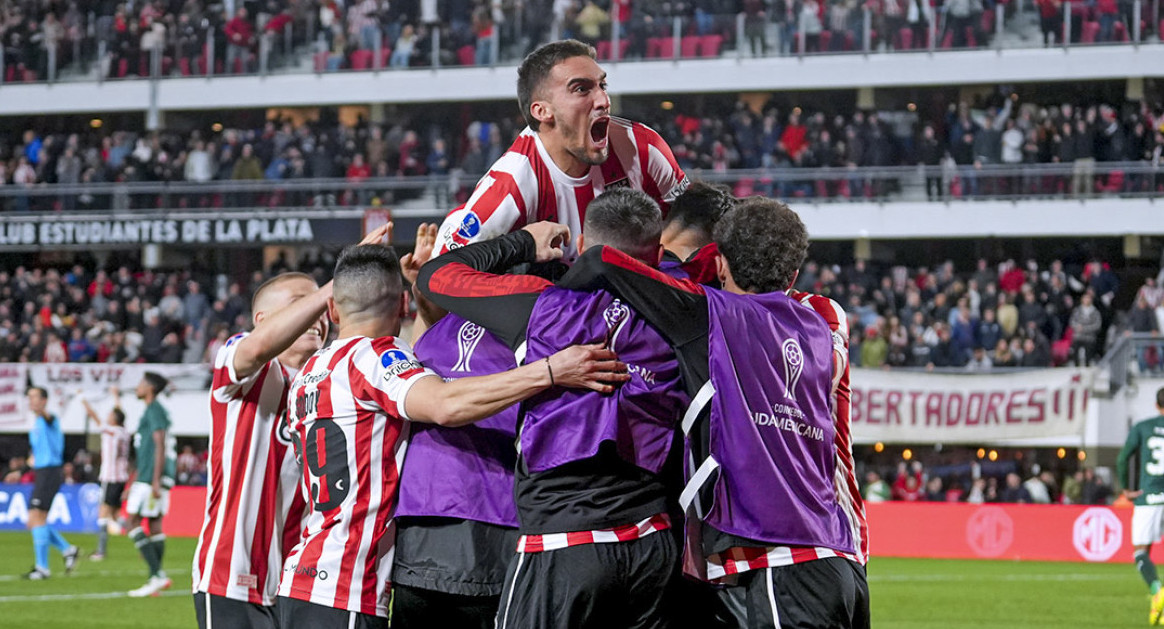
(1146,440)
(154,419)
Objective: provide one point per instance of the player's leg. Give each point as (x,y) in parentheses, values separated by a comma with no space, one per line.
(219,612)
(414,608)
(1146,524)
(48,482)
(142,507)
(569,588)
(40,544)
(648,566)
(296,614)
(107,513)
(820,593)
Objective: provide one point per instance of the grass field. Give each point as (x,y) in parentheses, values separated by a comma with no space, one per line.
(906,593)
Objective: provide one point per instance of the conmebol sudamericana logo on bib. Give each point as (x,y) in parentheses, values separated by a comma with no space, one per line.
(467,339)
(615,316)
(793,366)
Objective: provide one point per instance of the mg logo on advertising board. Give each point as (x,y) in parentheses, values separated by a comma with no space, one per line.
(989,532)
(1098,534)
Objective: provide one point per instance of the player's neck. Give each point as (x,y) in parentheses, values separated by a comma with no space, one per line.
(562,158)
(371,327)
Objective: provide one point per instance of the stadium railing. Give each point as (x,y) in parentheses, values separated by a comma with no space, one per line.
(301,47)
(1132,355)
(953,184)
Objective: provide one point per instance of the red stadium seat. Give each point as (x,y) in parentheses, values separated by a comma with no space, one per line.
(948,39)
(28,76)
(603,48)
(1120,32)
(1089,33)
(711,45)
(744,188)
(467,55)
(689,46)
(661,47)
(987,24)
(385,55)
(184,66)
(319,61)
(905,39)
(1114,182)
(826,40)
(361,59)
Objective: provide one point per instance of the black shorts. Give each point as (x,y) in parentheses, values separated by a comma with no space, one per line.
(829,592)
(219,612)
(294,613)
(414,608)
(112,493)
(619,584)
(45,487)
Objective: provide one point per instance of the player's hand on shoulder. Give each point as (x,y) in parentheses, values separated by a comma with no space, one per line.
(550,238)
(588,367)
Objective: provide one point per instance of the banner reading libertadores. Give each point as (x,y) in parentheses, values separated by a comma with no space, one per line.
(914,407)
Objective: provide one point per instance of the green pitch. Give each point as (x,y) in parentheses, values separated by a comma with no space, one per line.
(907,593)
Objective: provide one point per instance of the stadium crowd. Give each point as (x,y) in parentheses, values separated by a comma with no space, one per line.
(978,482)
(959,148)
(344,34)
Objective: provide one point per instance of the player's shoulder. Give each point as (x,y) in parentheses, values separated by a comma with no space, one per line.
(829,309)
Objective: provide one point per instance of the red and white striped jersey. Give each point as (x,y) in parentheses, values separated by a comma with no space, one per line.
(525,186)
(737,560)
(114,455)
(346,407)
(253,496)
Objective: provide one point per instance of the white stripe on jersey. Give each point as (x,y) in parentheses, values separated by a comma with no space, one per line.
(114,455)
(347,410)
(252,481)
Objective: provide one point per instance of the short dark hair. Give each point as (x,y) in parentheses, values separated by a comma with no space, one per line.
(275,281)
(764,243)
(699,208)
(119,416)
(628,220)
(41,390)
(366,279)
(536,67)
(1160,398)
(156,381)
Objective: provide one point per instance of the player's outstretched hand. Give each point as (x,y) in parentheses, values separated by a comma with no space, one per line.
(382,235)
(410,264)
(587,367)
(550,237)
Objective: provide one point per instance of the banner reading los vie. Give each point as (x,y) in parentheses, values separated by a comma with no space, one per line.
(911,407)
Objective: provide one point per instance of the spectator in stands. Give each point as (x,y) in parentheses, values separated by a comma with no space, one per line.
(1085,325)
(240,37)
(1095,491)
(876,489)
(1014,490)
(405,45)
(934,491)
(908,484)
(979,361)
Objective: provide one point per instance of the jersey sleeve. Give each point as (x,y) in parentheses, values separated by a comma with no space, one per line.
(496,207)
(225,383)
(663,179)
(382,373)
(838,322)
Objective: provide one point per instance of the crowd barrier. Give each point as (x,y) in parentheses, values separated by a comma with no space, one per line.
(896,529)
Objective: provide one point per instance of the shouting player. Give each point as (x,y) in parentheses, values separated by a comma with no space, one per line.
(571,150)
(349,408)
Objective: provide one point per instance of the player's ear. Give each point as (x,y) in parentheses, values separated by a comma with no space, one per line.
(722,270)
(333,311)
(659,254)
(581,243)
(541,111)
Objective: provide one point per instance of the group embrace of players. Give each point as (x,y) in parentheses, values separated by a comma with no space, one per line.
(616,412)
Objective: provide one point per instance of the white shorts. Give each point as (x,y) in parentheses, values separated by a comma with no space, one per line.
(1146,524)
(142,502)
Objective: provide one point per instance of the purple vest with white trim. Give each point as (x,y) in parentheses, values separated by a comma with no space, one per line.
(565,425)
(771,423)
(464,472)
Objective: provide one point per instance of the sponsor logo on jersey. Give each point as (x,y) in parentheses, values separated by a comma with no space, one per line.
(230,341)
(247,581)
(622,182)
(398,362)
(469,228)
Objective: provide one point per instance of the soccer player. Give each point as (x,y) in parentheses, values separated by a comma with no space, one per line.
(571,150)
(687,233)
(350,406)
(772,484)
(48,450)
(149,495)
(254,502)
(114,471)
(1146,441)
(591,484)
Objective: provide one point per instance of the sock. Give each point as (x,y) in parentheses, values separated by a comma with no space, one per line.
(57,540)
(1148,570)
(146,548)
(40,545)
(159,543)
(102,535)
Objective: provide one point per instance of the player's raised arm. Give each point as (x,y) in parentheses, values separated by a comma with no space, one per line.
(465,400)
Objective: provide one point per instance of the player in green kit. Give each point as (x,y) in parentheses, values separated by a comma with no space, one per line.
(149,496)
(1146,441)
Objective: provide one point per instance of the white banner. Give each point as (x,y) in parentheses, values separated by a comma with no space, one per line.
(916,407)
(12,382)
